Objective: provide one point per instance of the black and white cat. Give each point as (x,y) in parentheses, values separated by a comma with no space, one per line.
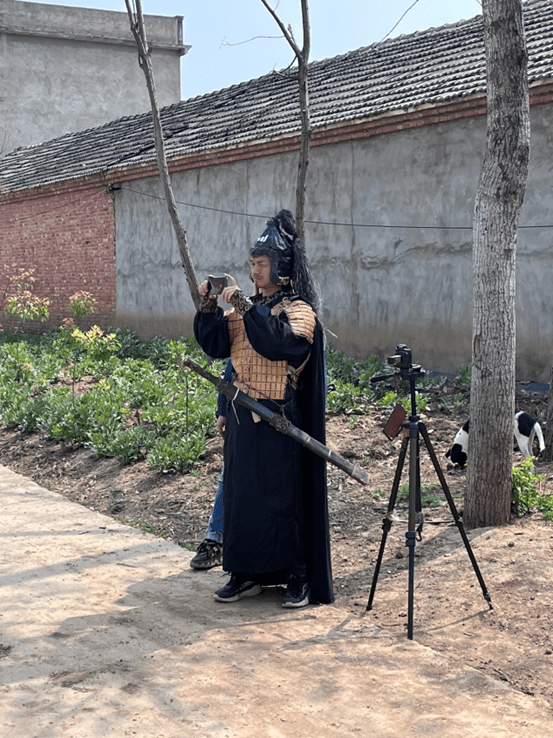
(525,430)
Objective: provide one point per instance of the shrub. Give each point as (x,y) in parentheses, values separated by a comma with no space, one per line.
(21,301)
(176,452)
(526,496)
(168,403)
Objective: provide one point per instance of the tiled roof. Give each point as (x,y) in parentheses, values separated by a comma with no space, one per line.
(399,74)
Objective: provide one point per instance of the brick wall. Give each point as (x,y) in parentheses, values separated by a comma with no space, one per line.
(67,235)
(66,232)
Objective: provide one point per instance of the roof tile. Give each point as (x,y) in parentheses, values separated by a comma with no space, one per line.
(398,74)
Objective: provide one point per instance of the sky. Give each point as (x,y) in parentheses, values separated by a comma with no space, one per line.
(236,40)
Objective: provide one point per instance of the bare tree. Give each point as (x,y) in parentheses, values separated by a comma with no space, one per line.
(498,204)
(302,56)
(145,61)
(548,439)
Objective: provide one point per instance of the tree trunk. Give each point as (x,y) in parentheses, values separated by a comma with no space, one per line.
(145,61)
(498,204)
(305,142)
(302,56)
(548,438)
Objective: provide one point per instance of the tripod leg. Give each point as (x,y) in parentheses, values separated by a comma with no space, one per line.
(456,516)
(387,522)
(414,502)
(419,517)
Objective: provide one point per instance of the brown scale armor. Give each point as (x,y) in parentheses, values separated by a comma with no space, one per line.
(257,376)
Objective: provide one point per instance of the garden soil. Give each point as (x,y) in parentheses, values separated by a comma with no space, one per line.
(105,630)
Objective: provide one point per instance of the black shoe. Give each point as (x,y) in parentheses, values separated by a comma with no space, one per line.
(297,593)
(237,587)
(208,554)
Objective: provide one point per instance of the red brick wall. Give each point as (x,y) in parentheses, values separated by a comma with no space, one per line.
(67,235)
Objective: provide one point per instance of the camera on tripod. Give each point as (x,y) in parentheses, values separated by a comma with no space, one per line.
(402,358)
(402,361)
(403,365)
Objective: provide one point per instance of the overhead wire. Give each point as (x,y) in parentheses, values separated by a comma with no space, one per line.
(226,211)
(323,222)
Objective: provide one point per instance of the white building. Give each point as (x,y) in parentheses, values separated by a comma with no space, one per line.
(66,69)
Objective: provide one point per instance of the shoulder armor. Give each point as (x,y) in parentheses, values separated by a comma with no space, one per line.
(302,317)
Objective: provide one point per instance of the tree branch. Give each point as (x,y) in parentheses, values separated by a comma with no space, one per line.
(302,55)
(138,30)
(306,30)
(285,32)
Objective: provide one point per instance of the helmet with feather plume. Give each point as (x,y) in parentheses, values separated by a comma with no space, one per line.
(281,243)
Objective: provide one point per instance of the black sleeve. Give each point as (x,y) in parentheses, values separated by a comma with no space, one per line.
(273,337)
(211,332)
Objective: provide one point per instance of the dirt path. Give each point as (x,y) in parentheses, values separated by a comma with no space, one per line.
(105,631)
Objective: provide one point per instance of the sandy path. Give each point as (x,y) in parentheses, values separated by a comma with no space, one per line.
(105,631)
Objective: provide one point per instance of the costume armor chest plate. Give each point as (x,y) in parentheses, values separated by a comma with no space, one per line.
(256,376)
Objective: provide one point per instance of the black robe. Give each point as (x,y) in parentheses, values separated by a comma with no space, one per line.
(275,494)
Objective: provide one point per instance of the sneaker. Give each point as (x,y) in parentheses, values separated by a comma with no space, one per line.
(237,588)
(297,593)
(208,554)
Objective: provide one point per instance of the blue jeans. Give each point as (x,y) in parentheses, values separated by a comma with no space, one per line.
(215,525)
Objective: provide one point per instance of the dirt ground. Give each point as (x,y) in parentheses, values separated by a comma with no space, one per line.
(511,643)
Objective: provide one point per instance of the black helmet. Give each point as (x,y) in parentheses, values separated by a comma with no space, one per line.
(276,242)
(281,243)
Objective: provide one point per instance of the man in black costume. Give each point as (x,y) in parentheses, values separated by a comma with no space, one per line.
(274,489)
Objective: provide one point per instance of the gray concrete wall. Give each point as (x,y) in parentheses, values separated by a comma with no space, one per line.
(382,284)
(67,69)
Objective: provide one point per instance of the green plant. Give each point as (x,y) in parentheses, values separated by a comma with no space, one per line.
(338,365)
(422,402)
(148,528)
(427,498)
(430,382)
(28,414)
(403,491)
(430,501)
(388,399)
(67,418)
(157,352)
(368,368)
(21,301)
(175,452)
(126,444)
(129,345)
(343,397)
(462,375)
(458,403)
(17,362)
(526,496)
(97,345)
(132,409)
(81,304)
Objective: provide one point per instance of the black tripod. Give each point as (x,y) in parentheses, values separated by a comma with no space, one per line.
(412,430)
